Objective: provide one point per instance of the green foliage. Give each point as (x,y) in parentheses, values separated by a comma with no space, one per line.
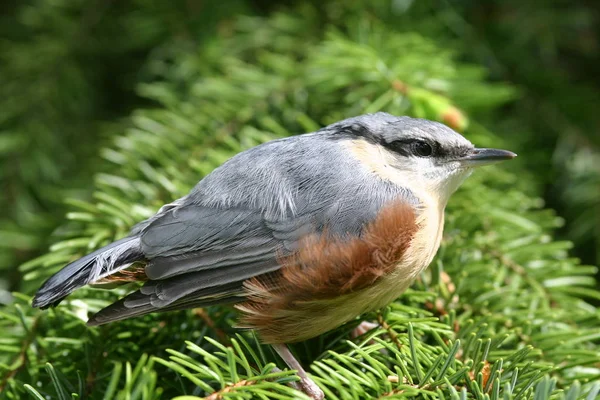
(503,312)
(546,49)
(67,72)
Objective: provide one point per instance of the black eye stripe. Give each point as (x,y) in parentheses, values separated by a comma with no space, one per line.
(401,147)
(414,147)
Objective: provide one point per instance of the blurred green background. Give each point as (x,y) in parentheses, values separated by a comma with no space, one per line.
(110,108)
(73,72)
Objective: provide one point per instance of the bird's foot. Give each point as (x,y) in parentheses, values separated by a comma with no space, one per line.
(306,384)
(363,328)
(311,389)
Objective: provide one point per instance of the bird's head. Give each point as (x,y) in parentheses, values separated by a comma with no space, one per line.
(419,154)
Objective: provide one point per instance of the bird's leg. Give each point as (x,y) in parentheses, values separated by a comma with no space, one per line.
(308,385)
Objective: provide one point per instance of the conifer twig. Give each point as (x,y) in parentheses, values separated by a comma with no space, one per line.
(21,358)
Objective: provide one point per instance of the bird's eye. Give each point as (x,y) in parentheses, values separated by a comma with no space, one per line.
(422,149)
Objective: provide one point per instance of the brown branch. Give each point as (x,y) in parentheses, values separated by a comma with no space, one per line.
(393,335)
(21,358)
(230,388)
(394,379)
(90,379)
(400,86)
(223,337)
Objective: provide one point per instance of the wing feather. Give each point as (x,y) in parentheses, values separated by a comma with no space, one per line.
(199,255)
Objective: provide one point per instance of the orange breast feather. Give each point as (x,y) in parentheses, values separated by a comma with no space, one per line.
(322,270)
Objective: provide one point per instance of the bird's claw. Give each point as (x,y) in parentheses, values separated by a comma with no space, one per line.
(363,328)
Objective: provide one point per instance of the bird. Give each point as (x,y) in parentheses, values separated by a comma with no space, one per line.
(300,234)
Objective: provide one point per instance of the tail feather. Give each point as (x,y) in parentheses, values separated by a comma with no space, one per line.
(137,304)
(88,269)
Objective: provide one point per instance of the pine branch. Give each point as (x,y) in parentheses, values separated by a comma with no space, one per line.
(20,359)
(470,327)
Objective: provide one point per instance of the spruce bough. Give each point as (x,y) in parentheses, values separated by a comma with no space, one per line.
(503,311)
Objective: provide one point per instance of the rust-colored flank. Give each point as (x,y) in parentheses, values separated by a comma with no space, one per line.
(325,268)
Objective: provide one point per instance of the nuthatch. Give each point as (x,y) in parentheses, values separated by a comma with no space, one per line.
(303,234)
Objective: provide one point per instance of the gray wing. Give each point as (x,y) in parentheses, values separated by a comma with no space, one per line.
(199,255)
(240,218)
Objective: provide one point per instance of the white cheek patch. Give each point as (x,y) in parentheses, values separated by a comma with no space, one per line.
(422,175)
(440,181)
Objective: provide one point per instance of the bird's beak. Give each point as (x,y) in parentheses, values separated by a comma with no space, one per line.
(479,157)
